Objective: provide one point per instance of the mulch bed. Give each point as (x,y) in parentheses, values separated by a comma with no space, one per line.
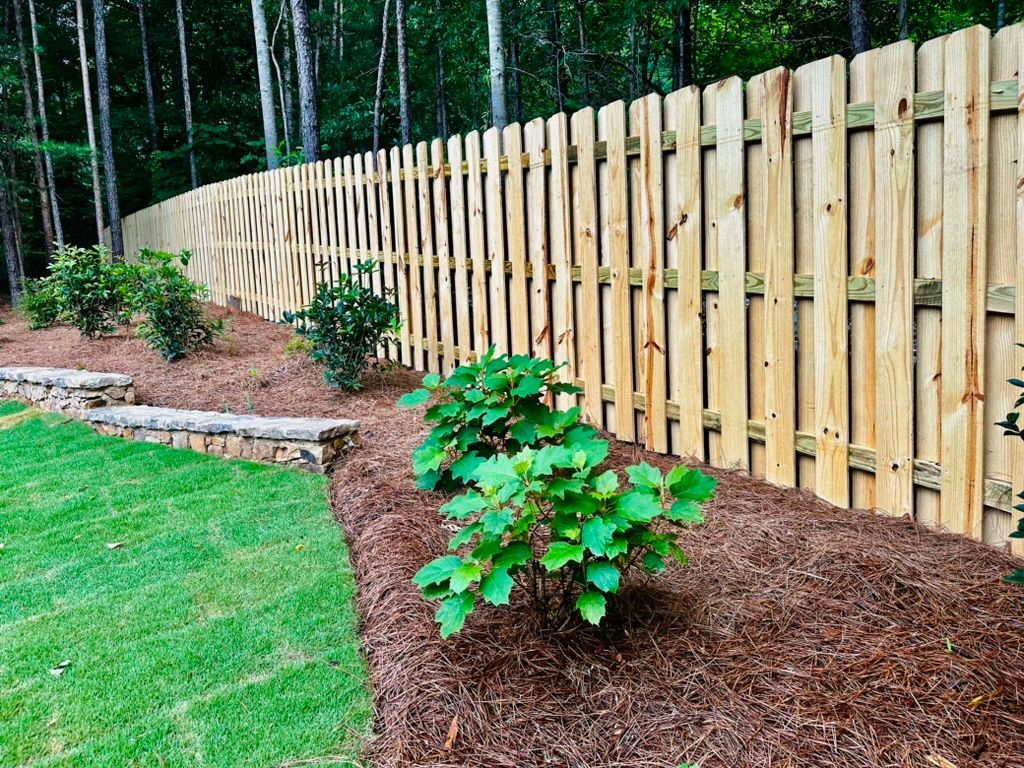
(800,635)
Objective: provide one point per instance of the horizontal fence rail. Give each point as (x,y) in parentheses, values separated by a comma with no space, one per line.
(814,276)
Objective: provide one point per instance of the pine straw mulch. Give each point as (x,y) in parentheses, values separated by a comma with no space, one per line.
(800,635)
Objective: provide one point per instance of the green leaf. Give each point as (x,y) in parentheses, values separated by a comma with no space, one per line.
(603,575)
(638,506)
(497,520)
(463,576)
(496,586)
(464,536)
(492,415)
(464,506)
(686,512)
(597,535)
(463,468)
(559,553)
(1017,577)
(516,553)
(606,484)
(529,386)
(644,475)
(414,398)
(524,433)
(692,484)
(452,613)
(496,472)
(549,458)
(437,571)
(431,381)
(427,457)
(653,561)
(591,606)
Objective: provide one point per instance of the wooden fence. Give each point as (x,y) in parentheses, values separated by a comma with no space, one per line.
(813,276)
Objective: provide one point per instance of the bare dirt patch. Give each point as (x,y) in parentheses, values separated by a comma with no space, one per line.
(800,635)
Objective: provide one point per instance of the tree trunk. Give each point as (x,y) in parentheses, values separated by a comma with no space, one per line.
(902,20)
(1000,14)
(496,57)
(379,95)
(15,276)
(557,55)
(403,72)
(318,35)
(186,92)
(682,48)
(30,120)
(517,81)
(339,29)
(581,23)
(283,81)
(440,97)
(90,127)
(147,78)
(309,119)
(106,135)
(44,124)
(259,25)
(860,31)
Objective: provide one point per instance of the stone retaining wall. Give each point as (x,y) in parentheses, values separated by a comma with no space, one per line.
(312,444)
(64,390)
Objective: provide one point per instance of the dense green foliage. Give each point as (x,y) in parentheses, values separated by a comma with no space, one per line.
(194,611)
(346,322)
(626,49)
(497,404)
(40,303)
(93,293)
(549,519)
(174,321)
(1012,427)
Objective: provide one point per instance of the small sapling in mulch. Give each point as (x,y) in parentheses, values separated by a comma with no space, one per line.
(1012,428)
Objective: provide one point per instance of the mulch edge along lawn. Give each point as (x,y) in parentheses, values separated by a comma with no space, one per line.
(205,607)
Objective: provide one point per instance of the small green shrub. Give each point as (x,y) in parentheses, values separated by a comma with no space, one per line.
(550,522)
(40,303)
(497,404)
(345,323)
(298,345)
(175,319)
(94,294)
(1012,428)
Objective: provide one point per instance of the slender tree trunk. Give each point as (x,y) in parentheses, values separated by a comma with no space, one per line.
(147,78)
(283,82)
(860,31)
(259,25)
(106,135)
(1000,14)
(682,54)
(496,57)
(517,81)
(378,99)
(12,256)
(44,124)
(557,55)
(440,97)
(318,35)
(902,20)
(339,30)
(634,62)
(186,92)
(581,24)
(30,120)
(403,72)
(309,119)
(90,127)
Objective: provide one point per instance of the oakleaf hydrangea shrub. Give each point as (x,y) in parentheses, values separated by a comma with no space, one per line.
(175,321)
(40,303)
(1012,428)
(551,523)
(345,323)
(497,404)
(93,293)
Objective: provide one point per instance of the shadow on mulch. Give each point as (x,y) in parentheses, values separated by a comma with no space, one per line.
(800,635)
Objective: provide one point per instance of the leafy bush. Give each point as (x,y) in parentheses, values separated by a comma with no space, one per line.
(93,293)
(40,303)
(552,523)
(346,323)
(495,405)
(175,321)
(1012,428)
(298,345)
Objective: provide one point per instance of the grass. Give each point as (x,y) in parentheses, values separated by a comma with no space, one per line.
(205,607)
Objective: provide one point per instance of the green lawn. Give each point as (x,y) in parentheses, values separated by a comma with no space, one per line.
(220,631)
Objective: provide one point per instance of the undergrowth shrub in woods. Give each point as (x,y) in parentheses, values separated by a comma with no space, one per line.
(93,293)
(40,303)
(1012,428)
(551,523)
(175,320)
(497,404)
(346,323)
